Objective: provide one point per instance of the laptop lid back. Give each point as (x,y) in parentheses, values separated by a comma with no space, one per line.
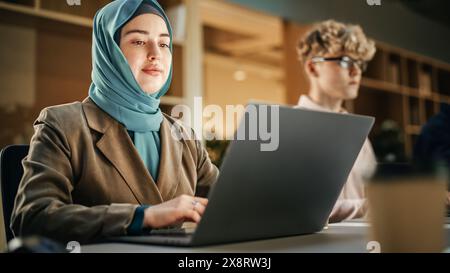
(290,190)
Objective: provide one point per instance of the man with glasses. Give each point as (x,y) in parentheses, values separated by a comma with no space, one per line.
(334,55)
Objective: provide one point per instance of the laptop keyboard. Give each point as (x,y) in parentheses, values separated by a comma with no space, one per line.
(171,231)
(185,229)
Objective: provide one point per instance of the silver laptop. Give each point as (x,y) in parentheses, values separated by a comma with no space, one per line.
(285,192)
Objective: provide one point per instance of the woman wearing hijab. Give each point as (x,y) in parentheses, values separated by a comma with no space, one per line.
(109,166)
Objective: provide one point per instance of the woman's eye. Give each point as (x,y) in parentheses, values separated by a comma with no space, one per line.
(138,43)
(165,45)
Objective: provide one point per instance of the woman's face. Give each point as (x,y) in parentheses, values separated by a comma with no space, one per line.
(145,43)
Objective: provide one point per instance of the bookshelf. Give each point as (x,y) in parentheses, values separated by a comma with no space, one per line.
(422,82)
(399,85)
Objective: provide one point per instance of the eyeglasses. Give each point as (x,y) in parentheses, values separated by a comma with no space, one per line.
(344,61)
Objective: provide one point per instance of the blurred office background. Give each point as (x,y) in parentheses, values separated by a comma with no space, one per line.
(230,52)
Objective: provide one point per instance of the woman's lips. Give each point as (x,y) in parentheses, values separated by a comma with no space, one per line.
(152,71)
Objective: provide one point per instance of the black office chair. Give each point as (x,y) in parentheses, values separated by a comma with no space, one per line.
(11,172)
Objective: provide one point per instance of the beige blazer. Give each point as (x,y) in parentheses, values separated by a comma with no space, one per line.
(83,178)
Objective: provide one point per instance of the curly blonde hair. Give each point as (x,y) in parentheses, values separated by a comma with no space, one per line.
(332,37)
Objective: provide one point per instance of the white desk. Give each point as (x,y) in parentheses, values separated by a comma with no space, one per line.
(343,237)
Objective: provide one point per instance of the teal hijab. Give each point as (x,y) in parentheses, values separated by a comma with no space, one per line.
(114,88)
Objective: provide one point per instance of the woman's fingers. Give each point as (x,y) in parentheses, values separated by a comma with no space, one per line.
(198,204)
(171,212)
(203,201)
(192,215)
(200,208)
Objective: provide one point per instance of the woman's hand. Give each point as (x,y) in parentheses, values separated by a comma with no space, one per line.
(181,209)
